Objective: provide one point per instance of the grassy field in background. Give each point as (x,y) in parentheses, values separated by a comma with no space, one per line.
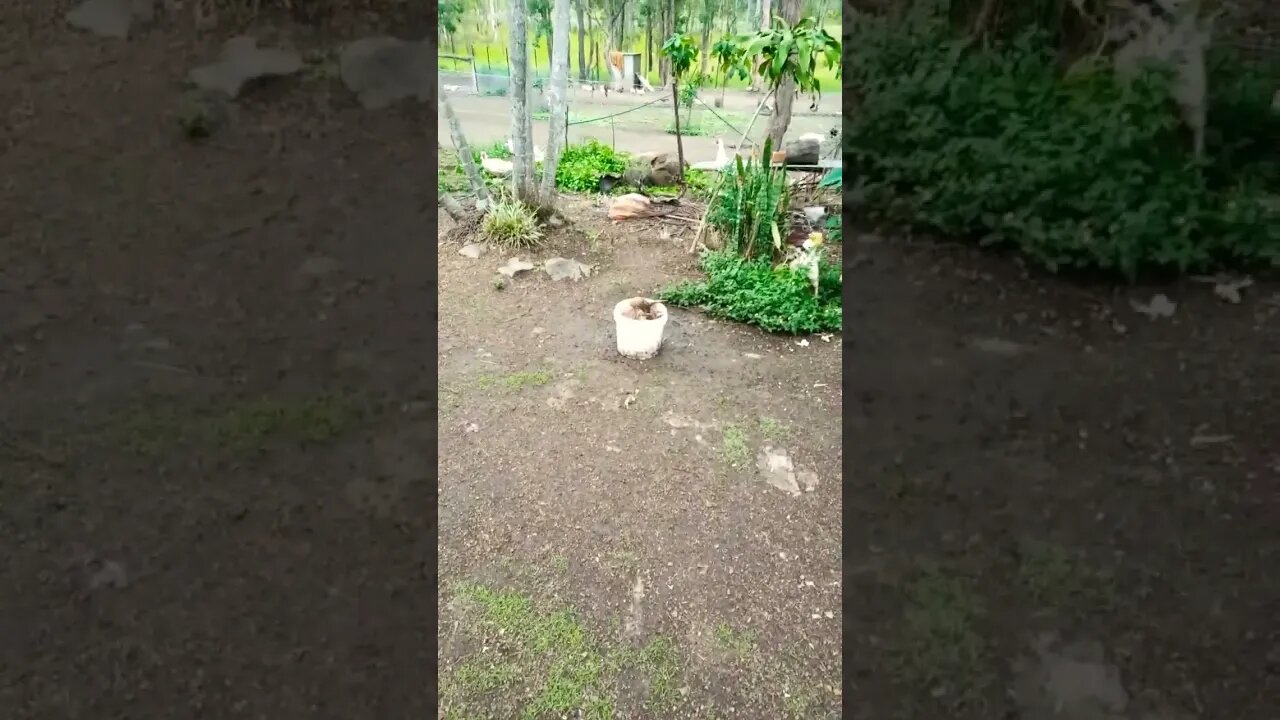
(491,57)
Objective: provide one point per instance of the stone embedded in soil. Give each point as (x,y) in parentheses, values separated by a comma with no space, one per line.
(779,471)
(514,266)
(1068,682)
(242,62)
(566,269)
(1160,306)
(472,250)
(318,266)
(382,71)
(110,18)
(999,346)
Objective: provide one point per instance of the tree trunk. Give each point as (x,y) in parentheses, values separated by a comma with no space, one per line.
(582,41)
(558,100)
(493,19)
(464,152)
(756,85)
(518,91)
(675,98)
(648,38)
(707,19)
(785,96)
(664,64)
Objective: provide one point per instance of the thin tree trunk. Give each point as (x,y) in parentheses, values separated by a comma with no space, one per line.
(582,41)
(756,83)
(493,19)
(464,152)
(518,91)
(707,18)
(675,99)
(558,100)
(785,96)
(648,38)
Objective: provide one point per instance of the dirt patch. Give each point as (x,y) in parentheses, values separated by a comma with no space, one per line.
(215,418)
(1032,459)
(615,469)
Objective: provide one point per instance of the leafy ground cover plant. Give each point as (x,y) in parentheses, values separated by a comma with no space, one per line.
(754,291)
(1076,169)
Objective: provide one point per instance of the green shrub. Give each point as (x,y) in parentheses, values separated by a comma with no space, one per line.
(687,129)
(751,200)
(510,224)
(756,293)
(582,165)
(1076,170)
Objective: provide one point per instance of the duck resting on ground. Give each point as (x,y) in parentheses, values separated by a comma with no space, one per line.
(495,166)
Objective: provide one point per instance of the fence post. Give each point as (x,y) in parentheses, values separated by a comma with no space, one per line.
(475,74)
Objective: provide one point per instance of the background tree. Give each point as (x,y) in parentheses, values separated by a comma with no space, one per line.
(558,96)
(791,51)
(449,13)
(786,94)
(521,117)
(680,51)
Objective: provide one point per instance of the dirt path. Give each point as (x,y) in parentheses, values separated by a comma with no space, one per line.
(487,120)
(214,365)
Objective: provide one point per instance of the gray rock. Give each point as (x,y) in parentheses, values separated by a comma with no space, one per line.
(318,266)
(110,18)
(1068,682)
(514,266)
(565,269)
(472,250)
(242,62)
(382,71)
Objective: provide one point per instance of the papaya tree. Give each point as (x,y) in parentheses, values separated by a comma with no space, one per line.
(681,52)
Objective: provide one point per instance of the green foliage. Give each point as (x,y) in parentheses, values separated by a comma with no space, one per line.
(681,49)
(1081,170)
(750,206)
(793,51)
(775,299)
(835,229)
(582,165)
(450,15)
(510,224)
(687,130)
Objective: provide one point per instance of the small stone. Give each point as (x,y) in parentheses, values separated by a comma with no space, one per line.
(110,18)
(514,266)
(384,70)
(318,266)
(565,269)
(473,250)
(1160,306)
(241,62)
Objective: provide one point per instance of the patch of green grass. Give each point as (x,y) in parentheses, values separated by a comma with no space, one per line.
(945,651)
(692,130)
(515,381)
(800,703)
(772,429)
(565,669)
(244,426)
(1054,576)
(734,447)
(476,677)
(560,564)
(660,663)
(315,420)
(740,643)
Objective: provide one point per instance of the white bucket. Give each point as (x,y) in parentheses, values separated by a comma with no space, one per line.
(639,338)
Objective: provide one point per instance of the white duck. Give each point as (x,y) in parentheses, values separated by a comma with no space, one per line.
(495,166)
(722,158)
(538,154)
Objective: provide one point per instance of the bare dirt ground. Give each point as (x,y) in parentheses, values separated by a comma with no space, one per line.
(1057,506)
(627,495)
(215,434)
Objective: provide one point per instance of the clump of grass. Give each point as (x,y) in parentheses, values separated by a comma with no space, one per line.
(945,652)
(687,130)
(734,448)
(509,224)
(515,381)
(739,643)
(661,665)
(566,670)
